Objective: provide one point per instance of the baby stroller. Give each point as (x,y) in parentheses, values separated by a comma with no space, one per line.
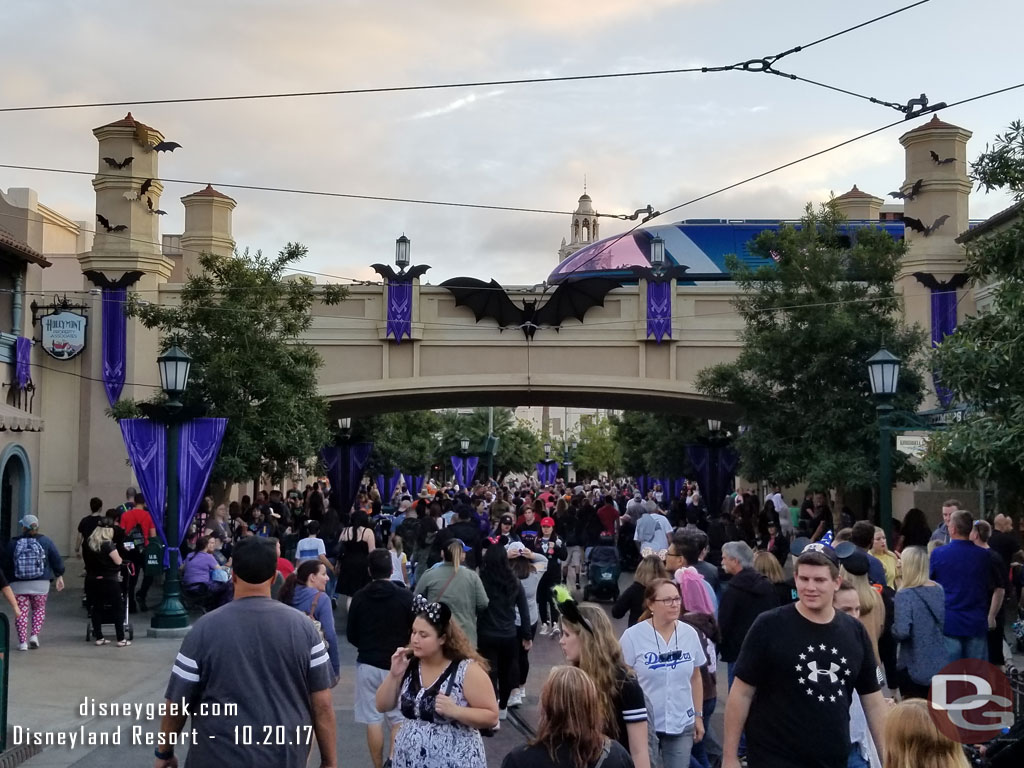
(603,571)
(129,631)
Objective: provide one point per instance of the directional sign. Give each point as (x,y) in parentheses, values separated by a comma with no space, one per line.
(941,417)
(912,445)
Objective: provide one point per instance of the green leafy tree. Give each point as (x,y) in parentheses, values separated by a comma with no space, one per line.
(654,443)
(241,324)
(982,361)
(598,450)
(518,445)
(812,319)
(405,440)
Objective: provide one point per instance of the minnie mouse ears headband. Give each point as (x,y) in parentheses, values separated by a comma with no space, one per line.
(569,608)
(437,614)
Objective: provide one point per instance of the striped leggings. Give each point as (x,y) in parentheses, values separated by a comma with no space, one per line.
(37,605)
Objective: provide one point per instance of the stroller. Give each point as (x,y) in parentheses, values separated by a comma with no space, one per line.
(603,571)
(129,631)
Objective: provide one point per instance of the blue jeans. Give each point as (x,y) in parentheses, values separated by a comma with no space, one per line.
(699,753)
(967,647)
(856,760)
(675,749)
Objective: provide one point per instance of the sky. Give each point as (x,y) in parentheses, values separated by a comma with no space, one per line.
(657,140)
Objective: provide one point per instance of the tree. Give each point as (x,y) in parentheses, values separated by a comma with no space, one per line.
(518,445)
(241,323)
(598,451)
(812,319)
(654,443)
(982,361)
(405,440)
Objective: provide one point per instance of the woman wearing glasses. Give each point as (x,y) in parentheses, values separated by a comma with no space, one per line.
(667,656)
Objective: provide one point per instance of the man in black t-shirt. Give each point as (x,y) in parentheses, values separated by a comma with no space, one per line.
(88,523)
(800,665)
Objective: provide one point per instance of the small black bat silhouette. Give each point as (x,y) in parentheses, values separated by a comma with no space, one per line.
(106,224)
(388,273)
(145,187)
(946,161)
(166,146)
(119,165)
(909,195)
(102,281)
(918,226)
(955,283)
(149,202)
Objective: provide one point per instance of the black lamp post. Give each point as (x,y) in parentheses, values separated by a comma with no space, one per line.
(658,255)
(174,366)
(464,453)
(884,375)
(402,247)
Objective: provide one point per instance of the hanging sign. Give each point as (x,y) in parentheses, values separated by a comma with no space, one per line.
(63,334)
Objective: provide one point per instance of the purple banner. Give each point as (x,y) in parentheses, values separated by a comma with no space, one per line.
(345,465)
(23,362)
(198,446)
(381,487)
(146,443)
(659,310)
(115,328)
(542,472)
(471,463)
(393,482)
(698,456)
(943,324)
(458,467)
(399,311)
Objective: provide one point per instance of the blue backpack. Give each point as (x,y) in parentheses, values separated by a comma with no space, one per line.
(29,559)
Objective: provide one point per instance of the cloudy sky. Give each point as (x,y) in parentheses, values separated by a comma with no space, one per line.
(658,140)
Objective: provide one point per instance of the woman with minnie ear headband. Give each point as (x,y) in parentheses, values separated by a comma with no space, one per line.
(441,686)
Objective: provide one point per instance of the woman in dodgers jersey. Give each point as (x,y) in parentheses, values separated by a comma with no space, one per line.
(667,656)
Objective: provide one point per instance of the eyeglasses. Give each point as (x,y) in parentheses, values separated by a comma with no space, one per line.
(669,600)
(670,656)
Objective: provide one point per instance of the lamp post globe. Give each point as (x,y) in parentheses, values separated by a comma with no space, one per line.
(714,425)
(402,246)
(174,365)
(884,373)
(547,450)
(657,252)
(464,444)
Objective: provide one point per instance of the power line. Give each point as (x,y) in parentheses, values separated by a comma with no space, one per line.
(462,84)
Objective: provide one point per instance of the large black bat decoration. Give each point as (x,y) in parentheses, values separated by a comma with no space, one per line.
(387,272)
(913,193)
(652,275)
(100,280)
(955,283)
(919,226)
(569,299)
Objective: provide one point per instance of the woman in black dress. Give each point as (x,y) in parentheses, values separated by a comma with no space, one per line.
(356,543)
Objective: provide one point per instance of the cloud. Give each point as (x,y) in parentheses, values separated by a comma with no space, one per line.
(456,105)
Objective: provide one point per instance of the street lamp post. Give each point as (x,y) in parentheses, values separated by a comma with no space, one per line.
(884,375)
(174,366)
(464,453)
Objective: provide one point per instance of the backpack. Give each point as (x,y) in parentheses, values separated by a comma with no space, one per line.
(29,559)
(136,537)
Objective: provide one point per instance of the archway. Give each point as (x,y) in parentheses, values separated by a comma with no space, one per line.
(15,490)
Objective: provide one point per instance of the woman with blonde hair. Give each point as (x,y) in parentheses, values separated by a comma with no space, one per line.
(912,740)
(589,643)
(919,616)
(767,565)
(854,570)
(890,560)
(569,733)
(631,600)
(103,582)
(457,587)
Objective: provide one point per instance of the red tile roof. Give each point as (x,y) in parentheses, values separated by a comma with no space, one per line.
(10,244)
(210,192)
(933,123)
(854,193)
(126,122)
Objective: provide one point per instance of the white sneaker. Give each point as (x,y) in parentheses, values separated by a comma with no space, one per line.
(33,641)
(22,646)
(502,714)
(556,630)
(516,698)
(545,629)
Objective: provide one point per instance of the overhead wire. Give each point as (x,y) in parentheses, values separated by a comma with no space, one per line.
(458,85)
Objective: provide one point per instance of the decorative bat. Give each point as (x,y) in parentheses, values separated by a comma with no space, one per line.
(918,226)
(165,146)
(102,281)
(914,190)
(405,276)
(569,299)
(106,224)
(955,283)
(119,165)
(145,187)
(946,161)
(149,202)
(651,275)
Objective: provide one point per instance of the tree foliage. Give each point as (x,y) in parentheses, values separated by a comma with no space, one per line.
(812,319)
(241,322)
(598,450)
(654,443)
(518,445)
(982,361)
(405,440)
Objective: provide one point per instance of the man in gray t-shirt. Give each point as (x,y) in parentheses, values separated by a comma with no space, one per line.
(267,669)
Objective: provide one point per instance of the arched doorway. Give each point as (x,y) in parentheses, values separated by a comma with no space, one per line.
(15,490)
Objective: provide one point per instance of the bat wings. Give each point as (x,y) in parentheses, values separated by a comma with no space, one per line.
(569,299)
(387,272)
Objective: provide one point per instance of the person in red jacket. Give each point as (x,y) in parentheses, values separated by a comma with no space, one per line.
(138,527)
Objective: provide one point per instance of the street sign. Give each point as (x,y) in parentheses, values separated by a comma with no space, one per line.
(912,445)
(941,417)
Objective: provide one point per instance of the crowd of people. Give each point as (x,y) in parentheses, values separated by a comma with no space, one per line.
(447,592)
